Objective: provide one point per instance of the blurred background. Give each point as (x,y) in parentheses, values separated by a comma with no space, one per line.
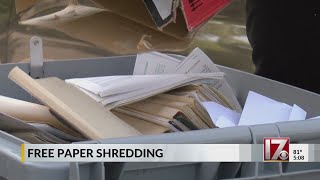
(223,39)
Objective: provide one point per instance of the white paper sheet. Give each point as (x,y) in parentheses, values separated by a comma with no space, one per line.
(220,115)
(259,109)
(116,90)
(164,7)
(196,62)
(155,63)
(317,117)
(224,122)
(297,113)
(199,62)
(158,63)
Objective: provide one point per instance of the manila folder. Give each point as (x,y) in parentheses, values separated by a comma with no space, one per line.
(75,107)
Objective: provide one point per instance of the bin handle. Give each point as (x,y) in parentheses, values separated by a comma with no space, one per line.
(36,57)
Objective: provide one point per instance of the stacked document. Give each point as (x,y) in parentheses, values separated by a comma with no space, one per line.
(155,63)
(166,96)
(175,112)
(164,91)
(171,101)
(114,91)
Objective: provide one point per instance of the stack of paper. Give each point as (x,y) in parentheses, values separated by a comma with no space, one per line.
(172,101)
(164,95)
(114,91)
(196,62)
(176,113)
(164,91)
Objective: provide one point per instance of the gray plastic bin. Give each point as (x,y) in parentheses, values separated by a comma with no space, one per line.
(301,132)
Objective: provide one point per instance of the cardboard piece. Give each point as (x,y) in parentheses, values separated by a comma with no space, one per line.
(120,35)
(22,5)
(107,28)
(79,110)
(29,8)
(122,26)
(136,11)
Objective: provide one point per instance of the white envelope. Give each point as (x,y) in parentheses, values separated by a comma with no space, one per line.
(259,109)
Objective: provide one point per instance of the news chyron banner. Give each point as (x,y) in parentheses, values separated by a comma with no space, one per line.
(272,150)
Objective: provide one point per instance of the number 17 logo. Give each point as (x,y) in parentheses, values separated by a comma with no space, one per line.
(276,149)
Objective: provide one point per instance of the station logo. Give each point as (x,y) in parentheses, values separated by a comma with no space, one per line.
(276,149)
